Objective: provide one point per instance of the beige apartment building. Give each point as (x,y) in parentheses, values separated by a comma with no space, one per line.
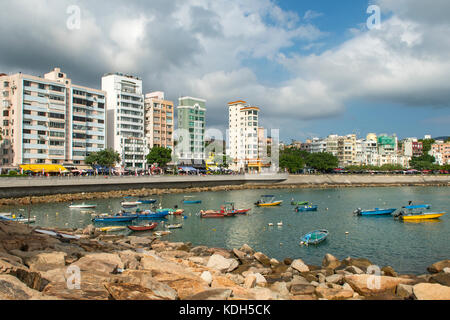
(159,121)
(49,120)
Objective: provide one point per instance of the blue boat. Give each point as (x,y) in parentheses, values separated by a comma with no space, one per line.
(420,206)
(150,201)
(192,201)
(149,215)
(306,208)
(375,212)
(314,237)
(128,218)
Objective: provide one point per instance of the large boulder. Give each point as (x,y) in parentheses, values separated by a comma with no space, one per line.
(404,291)
(299,265)
(100,262)
(330,261)
(389,271)
(262,258)
(439,266)
(128,291)
(250,281)
(441,278)
(361,263)
(247,249)
(302,289)
(145,279)
(34,280)
(218,262)
(431,291)
(12,288)
(336,279)
(334,293)
(45,261)
(211,294)
(365,284)
(207,277)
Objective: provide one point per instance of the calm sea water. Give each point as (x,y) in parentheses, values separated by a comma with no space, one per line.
(406,246)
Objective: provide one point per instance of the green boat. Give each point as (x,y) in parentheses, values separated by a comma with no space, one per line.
(299,203)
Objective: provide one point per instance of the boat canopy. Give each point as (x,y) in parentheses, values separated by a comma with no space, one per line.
(420,206)
(47,168)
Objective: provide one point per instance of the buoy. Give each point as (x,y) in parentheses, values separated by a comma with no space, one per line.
(347,232)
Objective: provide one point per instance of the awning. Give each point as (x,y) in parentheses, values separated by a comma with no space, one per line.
(47,168)
(187,169)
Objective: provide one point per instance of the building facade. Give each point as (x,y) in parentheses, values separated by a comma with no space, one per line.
(243,139)
(49,120)
(441,151)
(412,147)
(125,119)
(159,121)
(191,131)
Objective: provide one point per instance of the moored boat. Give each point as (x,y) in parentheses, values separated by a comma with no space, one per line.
(111,229)
(299,203)
(130,204)
(306,208)
(19,218)
(374,212)
(174,226)
(422,216)
(149,215)
(268,201)
(314,237)
(147,201)
(147,227)
(116,218)
(83,206)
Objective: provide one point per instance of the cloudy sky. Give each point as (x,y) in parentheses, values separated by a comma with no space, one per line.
(313,67)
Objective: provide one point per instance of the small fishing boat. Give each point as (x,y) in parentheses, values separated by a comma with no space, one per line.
(230,207)
(130,204)
(374,212)
(111,229)
(422,216)
(176,212)
(161,233)
(268,201)
(147,227)
(83,206)
(216,214)
(306,208)
(314,237)
(299,203)
(164,211)
(20,218)
(149,215)
(116,218)
(174,226)
(147,201)
(420,206)
(187,201)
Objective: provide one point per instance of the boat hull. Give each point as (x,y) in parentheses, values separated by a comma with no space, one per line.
(380,212)
(306,209)
(143,228)
(273,204)
(192,201)
(315,237)
(299,203)
(424,216)
(115,219)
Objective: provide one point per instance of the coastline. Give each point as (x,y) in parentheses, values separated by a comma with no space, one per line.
(35,266)
(293,182)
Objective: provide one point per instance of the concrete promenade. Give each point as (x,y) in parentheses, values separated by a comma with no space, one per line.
(34,186)
(42,186)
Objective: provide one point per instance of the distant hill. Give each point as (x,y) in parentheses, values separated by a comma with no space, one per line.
(442,138)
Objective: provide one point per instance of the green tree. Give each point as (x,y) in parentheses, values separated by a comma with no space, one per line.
(161,156)
(427,144)
(425,162)
(322,161)
(105,158)
(292,159)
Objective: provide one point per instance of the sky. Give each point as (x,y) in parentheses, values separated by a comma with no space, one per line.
(314,68)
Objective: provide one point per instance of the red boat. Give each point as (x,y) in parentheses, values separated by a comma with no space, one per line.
(148,227)
(241,211)
(216,214)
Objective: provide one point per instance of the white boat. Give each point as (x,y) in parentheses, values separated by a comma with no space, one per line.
(130,204)
(19,218)
(82,206)
(174,226)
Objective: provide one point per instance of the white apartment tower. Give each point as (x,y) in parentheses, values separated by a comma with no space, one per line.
(243,134)
(125,118)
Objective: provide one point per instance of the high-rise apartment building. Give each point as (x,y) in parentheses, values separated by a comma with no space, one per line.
(243,135)
(49,120)
(159,121)
(125,118)
(191,130)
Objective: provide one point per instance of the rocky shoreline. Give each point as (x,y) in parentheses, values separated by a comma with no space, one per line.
(145,192)
(35,266)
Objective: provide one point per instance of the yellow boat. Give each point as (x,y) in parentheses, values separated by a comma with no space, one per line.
(272,204)
(268,201)
(423,216)
(110,229)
